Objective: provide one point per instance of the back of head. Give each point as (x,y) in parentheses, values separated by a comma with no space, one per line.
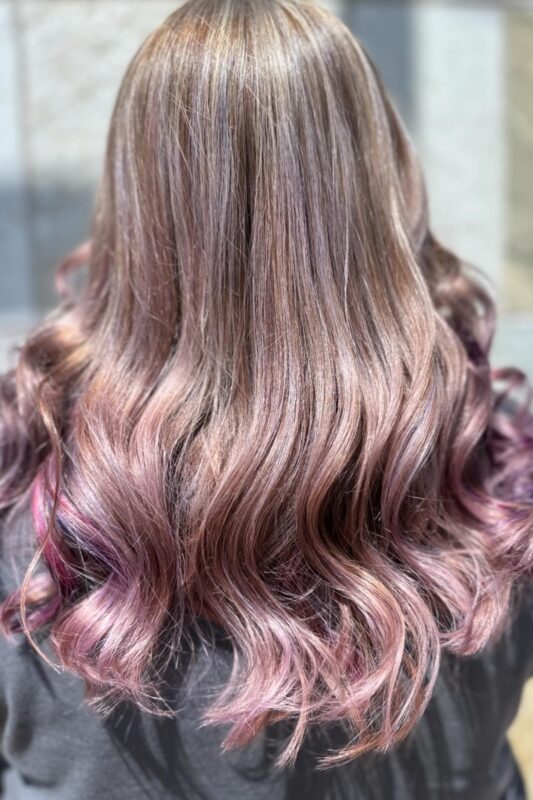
(271,404)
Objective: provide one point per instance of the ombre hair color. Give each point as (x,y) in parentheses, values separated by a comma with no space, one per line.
(270,402)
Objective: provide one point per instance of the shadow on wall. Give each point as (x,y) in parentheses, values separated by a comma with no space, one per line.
(38,228)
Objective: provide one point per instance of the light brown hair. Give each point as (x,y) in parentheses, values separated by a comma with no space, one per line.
(272,403)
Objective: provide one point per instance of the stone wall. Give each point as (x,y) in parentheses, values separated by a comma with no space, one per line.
(461,76)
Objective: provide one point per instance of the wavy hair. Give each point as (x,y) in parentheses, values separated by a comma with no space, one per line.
(270,403)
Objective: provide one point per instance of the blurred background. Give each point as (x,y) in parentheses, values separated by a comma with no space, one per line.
(461,75)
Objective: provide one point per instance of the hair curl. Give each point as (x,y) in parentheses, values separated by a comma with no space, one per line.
(271,404)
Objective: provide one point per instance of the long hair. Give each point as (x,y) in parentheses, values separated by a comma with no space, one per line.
(270,404)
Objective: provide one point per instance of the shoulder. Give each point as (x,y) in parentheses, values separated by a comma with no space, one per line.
(521,627)
(17,545)
(17,550)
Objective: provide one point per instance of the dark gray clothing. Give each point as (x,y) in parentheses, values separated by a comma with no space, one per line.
(55,746)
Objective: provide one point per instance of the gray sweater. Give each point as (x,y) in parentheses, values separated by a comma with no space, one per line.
(52,745)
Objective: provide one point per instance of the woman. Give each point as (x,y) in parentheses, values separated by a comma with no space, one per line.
(267,510)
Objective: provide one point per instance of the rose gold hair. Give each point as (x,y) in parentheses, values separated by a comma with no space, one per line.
(271,405)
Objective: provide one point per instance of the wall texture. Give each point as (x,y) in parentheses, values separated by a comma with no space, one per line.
(461,75)
(469,109)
